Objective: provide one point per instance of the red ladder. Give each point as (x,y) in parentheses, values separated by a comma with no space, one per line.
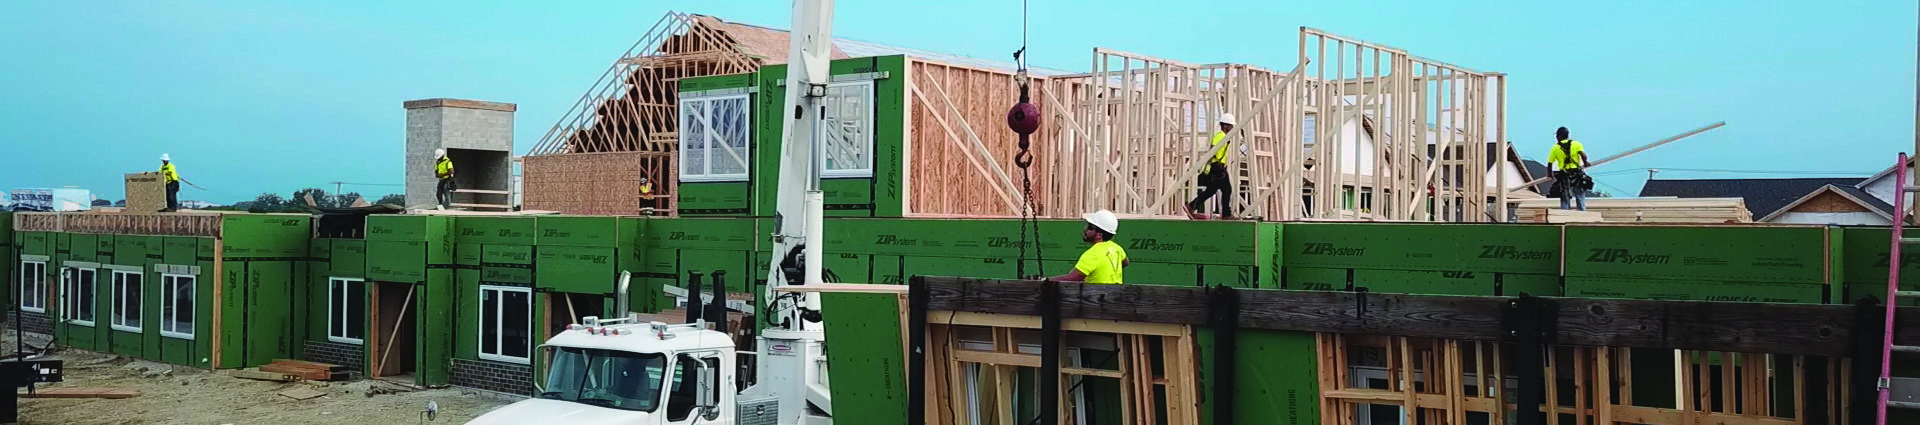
(1894,294)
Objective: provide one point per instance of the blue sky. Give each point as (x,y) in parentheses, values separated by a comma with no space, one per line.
(260,96)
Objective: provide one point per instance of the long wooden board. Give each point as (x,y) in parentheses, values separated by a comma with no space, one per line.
(1793,329)
(84,392)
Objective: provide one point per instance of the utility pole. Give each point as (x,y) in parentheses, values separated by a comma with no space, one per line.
(1651,172)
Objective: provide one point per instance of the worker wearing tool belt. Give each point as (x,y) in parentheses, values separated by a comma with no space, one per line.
(1103,262)
(172,178)
(1215,179)
(1570,179)
(443,169)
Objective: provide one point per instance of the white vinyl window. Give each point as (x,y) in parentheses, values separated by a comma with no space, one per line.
(346,310)
(76,299)
(33,286)
(846,130)
(126,301)
(714,134)
(506,323)
(176,305)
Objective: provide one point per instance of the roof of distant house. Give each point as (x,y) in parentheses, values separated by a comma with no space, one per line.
(1763,196)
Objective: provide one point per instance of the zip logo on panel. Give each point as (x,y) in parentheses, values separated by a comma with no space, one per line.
(1456,275)
(1004,242)
(1328,249)
(894,240)
(1150,244)
(1316,286)
(682,236)
(1623,256)
(1510,252)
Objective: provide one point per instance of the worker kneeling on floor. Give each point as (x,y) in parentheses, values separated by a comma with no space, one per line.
(1103,262)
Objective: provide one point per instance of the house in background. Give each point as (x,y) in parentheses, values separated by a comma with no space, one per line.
(1822,200)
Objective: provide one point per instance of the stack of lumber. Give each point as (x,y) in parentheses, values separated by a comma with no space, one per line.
(306,370)
(1644,210)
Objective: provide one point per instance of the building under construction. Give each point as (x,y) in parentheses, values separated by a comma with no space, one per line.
(1374,286)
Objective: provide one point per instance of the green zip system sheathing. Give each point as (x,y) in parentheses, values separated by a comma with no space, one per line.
(876,195)
(261,256)
(416,251)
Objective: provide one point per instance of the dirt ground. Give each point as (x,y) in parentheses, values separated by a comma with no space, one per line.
(171,394)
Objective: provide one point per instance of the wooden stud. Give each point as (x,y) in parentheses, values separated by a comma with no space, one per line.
(1604,384)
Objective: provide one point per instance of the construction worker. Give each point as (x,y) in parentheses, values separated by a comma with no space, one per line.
(646,197)
(1104,261)
(443,169)
(1215,178)
(1568,160)
(172,178)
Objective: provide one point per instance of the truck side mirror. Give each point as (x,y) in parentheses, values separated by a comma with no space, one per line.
(705,399)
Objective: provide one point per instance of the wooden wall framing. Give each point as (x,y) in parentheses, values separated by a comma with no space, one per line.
(1444,380)
(121,223)
(1398,126)
(1174,393)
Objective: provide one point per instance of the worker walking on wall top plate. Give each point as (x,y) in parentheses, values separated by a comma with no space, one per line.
(443,169)
(1570,179)
(1215,180)
(1103,262)
(172,179)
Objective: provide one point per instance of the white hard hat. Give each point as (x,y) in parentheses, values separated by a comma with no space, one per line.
(439,153)
(1227,119)
(1104,220)
(164,157)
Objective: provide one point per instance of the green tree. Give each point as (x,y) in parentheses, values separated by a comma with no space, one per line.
(267,202)
(393,199)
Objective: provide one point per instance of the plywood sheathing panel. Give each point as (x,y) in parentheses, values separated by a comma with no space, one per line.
(599,183)
(949,108)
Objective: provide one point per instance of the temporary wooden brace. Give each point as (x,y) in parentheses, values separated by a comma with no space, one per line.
(386,351)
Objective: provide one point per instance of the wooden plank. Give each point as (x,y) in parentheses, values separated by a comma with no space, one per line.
(305,373)
(302,394)
(262,376)
(1793,329)
(313,365)
(84,392)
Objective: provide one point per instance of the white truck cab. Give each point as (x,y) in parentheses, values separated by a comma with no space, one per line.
(621,372)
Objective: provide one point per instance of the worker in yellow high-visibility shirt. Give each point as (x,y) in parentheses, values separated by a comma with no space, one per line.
(1105,261)
(1568,161)
(646,197)
(172,179)
(1215,178)
(443,170)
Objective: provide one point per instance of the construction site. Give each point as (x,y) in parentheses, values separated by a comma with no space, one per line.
(1386,256)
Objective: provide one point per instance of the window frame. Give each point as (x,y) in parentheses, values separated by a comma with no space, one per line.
(706,160)
(34,272)
(499,343)
(69,306)
(866,130)
(169,285)
(117,315)
(337,314)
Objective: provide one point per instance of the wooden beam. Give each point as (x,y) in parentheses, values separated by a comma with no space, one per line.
(1795,329)
(1538,181)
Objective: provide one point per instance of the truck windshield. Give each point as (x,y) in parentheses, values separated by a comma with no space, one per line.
(606,378)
